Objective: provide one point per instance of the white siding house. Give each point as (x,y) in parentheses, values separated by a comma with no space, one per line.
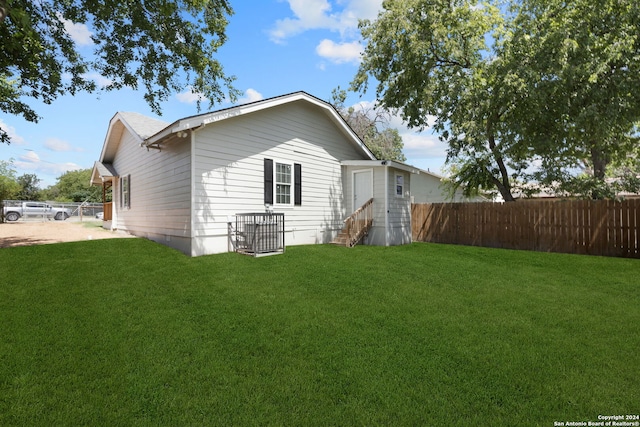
(183,183)
(389,183)
(428,187)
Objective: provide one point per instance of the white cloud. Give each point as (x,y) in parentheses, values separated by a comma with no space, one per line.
(339,52)
(30,157)
(11,131)
(422,149)
(32,163)
(100,80)
(251,95)
(55,144)
(309,15)
(189,96)
(79,33)
(57,169)
(319,14)
(421,145)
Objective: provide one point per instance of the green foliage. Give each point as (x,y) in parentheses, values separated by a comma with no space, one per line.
(9,186)
(372,127)
(579,67)
(513,85)
(103,333)
(430,59)
(158,45)
(74,186)
(10,103)
(29,189)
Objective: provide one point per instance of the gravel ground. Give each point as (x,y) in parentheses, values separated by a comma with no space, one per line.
(38,232)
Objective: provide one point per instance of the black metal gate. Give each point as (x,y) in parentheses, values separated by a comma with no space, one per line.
(260,233)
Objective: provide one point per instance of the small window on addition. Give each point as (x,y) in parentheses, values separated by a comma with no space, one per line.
(399,185)
(125,191)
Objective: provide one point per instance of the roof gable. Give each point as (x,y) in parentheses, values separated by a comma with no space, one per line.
(151,132)
(102,172)
(142,125)
(139,125)
(197,122)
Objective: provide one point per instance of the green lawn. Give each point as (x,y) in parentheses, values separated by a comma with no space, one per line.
(129,332)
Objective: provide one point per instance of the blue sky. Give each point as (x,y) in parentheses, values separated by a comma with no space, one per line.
(274,47)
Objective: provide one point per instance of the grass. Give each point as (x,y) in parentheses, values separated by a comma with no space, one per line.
(128,332)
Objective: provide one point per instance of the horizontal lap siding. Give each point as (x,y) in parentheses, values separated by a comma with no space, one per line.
(160,188)
(399,209)
(399,216)
(229,169)
(428,189)
(377,234)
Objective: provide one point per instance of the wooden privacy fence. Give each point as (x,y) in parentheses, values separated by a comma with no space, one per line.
(601,227)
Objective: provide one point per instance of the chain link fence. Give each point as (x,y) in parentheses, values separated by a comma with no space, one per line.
(78,211)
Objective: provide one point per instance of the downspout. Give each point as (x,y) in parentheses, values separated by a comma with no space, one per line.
(386,205)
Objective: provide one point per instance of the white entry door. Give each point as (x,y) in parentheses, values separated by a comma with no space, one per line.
(362,188)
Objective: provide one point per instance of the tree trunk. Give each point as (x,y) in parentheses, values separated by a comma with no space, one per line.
(503,183)
(600,161)
(505,191)
(3,10)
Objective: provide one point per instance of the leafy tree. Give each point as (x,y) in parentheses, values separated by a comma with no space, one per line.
(159,45)
(543,82)
(429,58)
(623,175)
(29,190)
(9,186)
(579,69)
(74,186)
(372,126)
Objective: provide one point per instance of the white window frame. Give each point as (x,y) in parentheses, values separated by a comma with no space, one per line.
(399,185)
(125,191)
(290,184)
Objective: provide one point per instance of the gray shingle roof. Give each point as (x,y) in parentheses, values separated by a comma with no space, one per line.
(105,169)
(142,125)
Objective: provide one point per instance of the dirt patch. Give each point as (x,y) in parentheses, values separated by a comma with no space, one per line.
(24,233)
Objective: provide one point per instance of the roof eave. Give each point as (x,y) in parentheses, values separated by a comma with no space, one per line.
(101,173)
(384,163)
(199,121)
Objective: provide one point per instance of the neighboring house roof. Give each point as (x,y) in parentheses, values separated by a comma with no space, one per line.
(536,191)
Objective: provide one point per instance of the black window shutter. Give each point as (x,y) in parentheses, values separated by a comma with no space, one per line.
(297,182)
(268,181)
(129,190)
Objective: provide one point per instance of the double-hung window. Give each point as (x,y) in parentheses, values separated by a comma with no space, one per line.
(282,183)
